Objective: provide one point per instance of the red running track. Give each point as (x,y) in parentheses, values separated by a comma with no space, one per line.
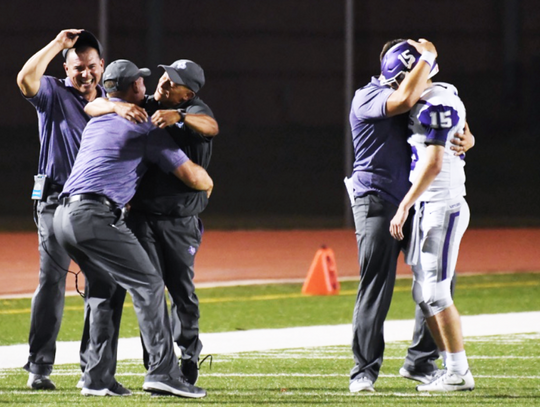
(258,255)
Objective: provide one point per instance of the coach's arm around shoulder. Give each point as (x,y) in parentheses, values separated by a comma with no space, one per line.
(195,176)
(29,78)
(129,111)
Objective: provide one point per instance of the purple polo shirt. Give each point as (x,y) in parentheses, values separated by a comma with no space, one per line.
(61,116)
(382,155)
(114,155)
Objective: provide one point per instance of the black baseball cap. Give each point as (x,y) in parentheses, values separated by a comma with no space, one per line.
(86,38)
(187,73)
(123,73)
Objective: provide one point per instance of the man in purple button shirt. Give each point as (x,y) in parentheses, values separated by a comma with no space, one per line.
(378,183)
(60,107)
(89,223)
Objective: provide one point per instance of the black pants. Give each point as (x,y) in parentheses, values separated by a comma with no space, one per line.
(172,243)
(97,238)
(378,252)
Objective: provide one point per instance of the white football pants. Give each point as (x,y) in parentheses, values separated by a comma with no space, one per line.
(440,229)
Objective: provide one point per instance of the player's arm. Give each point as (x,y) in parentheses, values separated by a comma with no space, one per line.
(200,123)
(129,111)
(194,176)
(410,90)
(431,168)
(29,78)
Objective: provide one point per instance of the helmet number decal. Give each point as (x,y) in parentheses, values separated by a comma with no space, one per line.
(407,59)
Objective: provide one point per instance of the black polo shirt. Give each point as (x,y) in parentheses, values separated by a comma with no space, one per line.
(164,194)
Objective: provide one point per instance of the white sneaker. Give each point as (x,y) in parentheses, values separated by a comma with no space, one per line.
(449,382)
(80,383)
(420,376)
(361,384)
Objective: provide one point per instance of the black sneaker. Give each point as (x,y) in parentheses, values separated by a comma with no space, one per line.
(40,382)
(116,390)
(178,387)
(190,370)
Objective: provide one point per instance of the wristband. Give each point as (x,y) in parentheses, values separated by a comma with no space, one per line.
(429,57)
(182,114)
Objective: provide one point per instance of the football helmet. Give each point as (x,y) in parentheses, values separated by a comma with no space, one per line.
(399,60)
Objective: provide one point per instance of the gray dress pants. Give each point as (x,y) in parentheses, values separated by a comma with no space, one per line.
(97,238)
(48,300)
(378,252)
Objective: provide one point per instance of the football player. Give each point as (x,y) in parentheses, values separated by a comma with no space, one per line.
(441,216)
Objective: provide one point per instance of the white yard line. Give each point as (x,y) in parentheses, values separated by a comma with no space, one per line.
(300,337)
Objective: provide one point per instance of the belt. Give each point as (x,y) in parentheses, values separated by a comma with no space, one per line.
(89,197)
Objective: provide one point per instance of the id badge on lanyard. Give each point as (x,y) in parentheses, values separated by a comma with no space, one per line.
(40,187)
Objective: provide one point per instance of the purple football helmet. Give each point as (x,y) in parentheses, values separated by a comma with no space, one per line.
(399,60)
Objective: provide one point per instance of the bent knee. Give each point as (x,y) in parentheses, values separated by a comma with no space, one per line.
(440,305)
(432,298)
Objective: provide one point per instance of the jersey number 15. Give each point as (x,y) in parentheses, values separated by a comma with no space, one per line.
(441,120)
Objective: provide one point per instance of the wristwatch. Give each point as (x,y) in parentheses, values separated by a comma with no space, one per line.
(182,113)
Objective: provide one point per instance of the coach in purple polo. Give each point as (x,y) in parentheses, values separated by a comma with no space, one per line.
(378,183)
(60,108)
(89,223)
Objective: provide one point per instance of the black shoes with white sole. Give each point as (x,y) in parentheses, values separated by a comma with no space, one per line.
(40,382)
(116,390)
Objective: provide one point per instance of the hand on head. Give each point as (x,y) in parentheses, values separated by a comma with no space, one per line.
(68,38)
(423,45)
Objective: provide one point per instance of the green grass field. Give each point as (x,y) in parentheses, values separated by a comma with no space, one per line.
(506,368)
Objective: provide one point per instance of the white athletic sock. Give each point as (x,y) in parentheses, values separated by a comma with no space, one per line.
(457,363)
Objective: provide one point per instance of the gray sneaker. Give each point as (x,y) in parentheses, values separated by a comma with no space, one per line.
(116,390)
(40,382)
(178,387)
(421,377)
(449,382)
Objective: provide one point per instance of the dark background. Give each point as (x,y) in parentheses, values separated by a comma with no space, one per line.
(275,81)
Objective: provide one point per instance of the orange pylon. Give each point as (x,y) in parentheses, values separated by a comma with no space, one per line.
(322,275)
